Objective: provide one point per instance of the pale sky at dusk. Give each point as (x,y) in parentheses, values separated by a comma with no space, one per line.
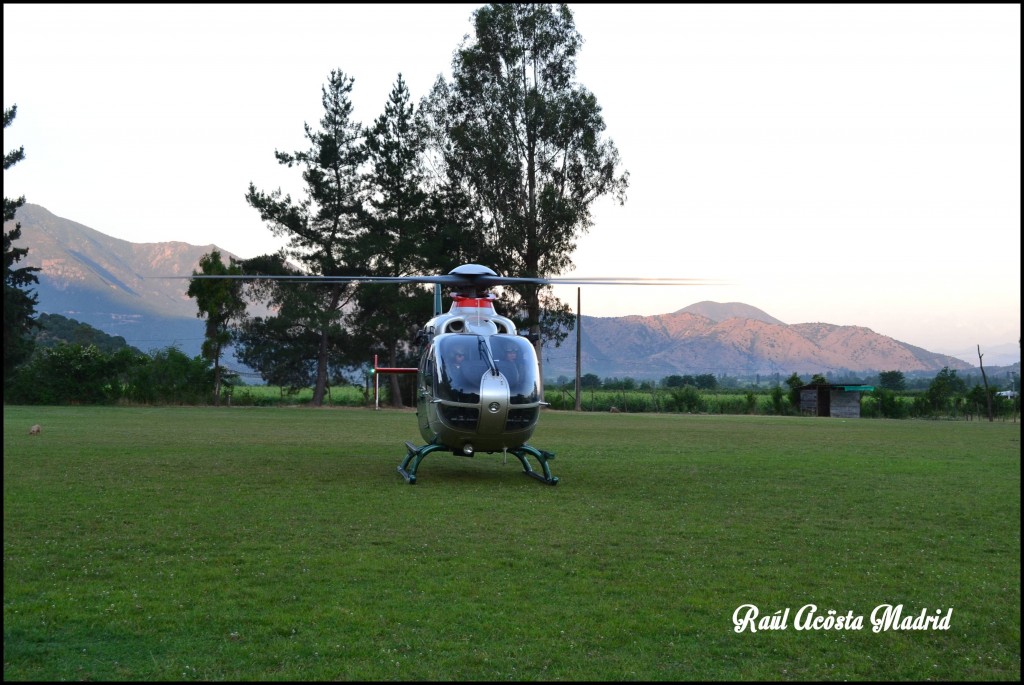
(851,164)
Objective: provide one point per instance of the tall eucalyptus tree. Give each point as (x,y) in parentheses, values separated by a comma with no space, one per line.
(527,141)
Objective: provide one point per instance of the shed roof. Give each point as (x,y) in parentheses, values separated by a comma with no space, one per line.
(844,388)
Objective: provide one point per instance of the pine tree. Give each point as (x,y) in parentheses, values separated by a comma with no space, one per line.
(19,301)
(323,227)
(397,239)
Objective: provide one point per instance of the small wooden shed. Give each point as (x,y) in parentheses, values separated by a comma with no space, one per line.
(826,399)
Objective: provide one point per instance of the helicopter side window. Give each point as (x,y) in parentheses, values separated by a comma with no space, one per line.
(427,371)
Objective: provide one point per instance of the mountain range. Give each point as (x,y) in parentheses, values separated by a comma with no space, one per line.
(736,339)
(111,284)
(117,287)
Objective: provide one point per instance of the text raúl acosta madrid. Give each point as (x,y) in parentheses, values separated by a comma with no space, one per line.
(747,617)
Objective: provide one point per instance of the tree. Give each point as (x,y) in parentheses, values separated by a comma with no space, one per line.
(794,384)
(170,377)
(286,347)
(892,380)
(19,302)
(323,227)
(220,301)
(71,373)
(279,350)
(74,374)
(687,398)
(944,387)
(396,242)
(706,381)
(979,396)
(889,405)
(526,141)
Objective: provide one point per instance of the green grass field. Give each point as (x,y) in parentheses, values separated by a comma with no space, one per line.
(259,543)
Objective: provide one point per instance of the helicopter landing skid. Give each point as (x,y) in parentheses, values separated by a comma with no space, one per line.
(542,457)
(416,454)
(414,457)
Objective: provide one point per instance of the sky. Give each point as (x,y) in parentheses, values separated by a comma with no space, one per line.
(847,164)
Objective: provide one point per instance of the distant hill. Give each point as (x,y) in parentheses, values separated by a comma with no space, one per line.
(723,311)
(109,284)
(747,343)
(55,329)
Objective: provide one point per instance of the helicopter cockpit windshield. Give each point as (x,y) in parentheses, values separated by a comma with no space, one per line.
(462,360)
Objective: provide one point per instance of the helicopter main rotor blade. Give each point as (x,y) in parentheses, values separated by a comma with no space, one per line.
(474,276)
(321,279)
(596,280)
(458,280)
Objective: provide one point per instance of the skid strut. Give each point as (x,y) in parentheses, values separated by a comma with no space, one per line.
(413,458)
(542,457)
(415,455)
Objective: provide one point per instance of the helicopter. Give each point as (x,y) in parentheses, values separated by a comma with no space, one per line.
(478,382)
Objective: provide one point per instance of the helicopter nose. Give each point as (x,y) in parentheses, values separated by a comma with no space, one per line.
(467,449)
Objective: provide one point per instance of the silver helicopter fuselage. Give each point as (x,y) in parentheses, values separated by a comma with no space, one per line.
(487,400)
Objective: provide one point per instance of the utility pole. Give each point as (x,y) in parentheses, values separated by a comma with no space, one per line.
(579,321)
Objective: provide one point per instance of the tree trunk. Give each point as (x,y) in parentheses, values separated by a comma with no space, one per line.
(321,358)
(988,396)
(321,371)
(216,379)
(533,315)
(396,387)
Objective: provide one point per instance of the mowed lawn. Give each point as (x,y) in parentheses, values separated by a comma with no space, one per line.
(281,543)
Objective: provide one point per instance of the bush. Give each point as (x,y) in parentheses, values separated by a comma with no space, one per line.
(70,374)
(686,399)
(751,401)
(883,403)
(171,377)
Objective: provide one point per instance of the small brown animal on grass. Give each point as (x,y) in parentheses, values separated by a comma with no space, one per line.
(35,430)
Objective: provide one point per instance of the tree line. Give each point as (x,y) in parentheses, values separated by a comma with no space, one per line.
(944,395)
(75,363)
